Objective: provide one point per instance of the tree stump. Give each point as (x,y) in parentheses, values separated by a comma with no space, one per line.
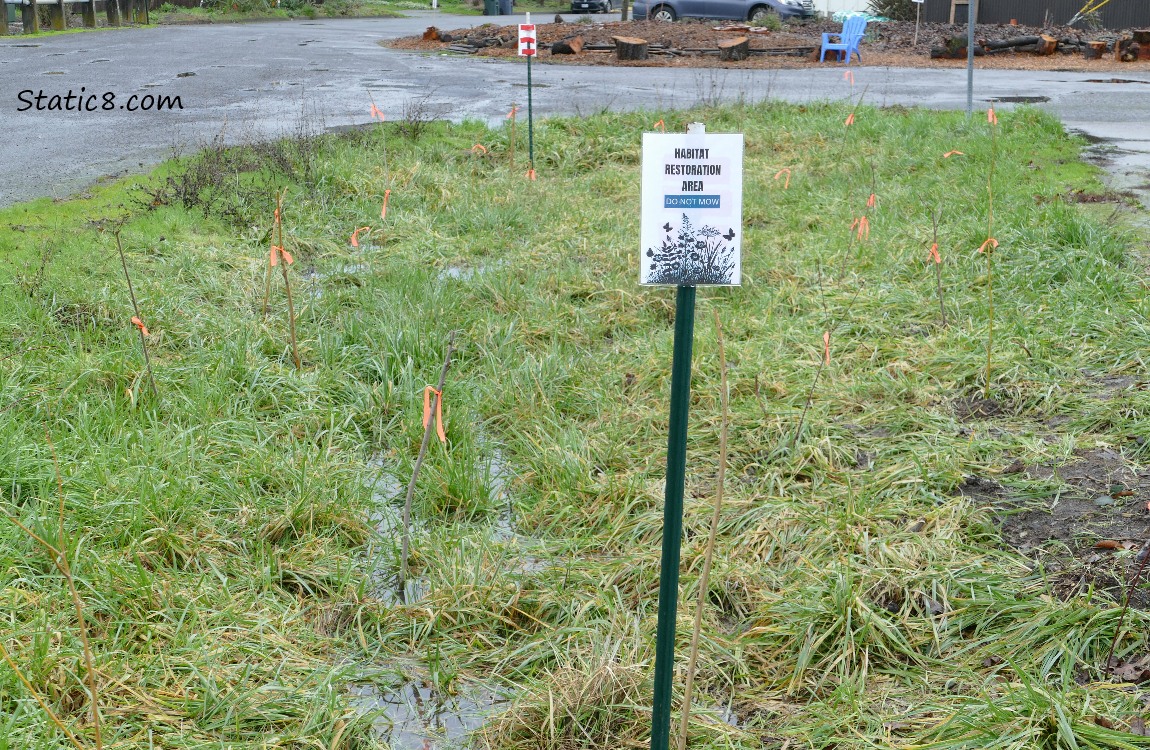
(568,46)
(734,50)
(630,48)
(1094,50)
(1142,39)
(1127,50)
(1046,45)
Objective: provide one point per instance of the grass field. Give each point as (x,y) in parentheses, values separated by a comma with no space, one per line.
(232,537)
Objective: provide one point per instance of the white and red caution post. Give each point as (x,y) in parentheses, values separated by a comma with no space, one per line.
(529,47)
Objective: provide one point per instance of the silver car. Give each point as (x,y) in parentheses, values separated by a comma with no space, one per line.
(750,10)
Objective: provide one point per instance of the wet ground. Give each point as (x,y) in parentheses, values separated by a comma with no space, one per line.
(258,80)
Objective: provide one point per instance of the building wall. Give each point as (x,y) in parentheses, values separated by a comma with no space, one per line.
(835,6)
(1117,14)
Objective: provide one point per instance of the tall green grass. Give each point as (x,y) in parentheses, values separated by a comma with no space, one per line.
(225,541)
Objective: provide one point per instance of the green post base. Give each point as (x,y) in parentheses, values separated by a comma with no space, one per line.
(673,517)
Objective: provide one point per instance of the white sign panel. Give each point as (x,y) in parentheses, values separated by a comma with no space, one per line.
(527,39)
(692,209)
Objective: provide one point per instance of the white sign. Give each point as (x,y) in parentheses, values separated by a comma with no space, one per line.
(692,209)
(527,39)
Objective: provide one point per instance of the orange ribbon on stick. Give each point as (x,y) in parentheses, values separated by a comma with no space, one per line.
(140,324)
(383,209)
(438,411)
(784,171)
(826,347)
(934,254)
(355,235)
(276,251)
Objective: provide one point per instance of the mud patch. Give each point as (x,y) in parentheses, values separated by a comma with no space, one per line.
(972,408)
(1088,534)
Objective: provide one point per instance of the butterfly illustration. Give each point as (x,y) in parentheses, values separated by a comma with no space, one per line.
(730,235)
(667,227)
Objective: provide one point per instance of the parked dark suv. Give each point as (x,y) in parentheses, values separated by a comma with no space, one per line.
(750,10)
(592,6)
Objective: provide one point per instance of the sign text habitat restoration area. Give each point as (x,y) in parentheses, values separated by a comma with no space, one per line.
(692,209)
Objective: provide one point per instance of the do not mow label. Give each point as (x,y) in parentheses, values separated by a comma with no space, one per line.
(692,209)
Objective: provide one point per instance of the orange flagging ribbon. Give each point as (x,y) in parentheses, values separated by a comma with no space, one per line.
(991,117)
(849,75)
(355,235)
(934,253)
(661,126)
(784,171)
(826,347)
(531,174)
(949,154)
(850,119)
(438,411)
(862,224)
(511,114)
(276,252)
(383,210)
(990,244)
(870,201)
(376,114)
(479,149)
(140,324)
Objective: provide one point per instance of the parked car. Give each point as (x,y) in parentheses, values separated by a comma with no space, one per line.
(749,10)
(592,6)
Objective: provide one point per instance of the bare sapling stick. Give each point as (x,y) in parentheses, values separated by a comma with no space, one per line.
(990,245)
(708,556)
(138,320)
(435,406)
(938,266)
(278,253)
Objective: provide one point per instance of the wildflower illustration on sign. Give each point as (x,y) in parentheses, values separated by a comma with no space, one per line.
(692,230)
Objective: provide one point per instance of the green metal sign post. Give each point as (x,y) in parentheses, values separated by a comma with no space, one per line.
(673,516)
(692,192)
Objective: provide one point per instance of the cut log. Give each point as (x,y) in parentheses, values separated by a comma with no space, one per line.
(568,46)
(1018,41)
(1142,39)
(431,35)
(1127,50)
(630,48)
(1047,45)
(1095,50)
(734,50)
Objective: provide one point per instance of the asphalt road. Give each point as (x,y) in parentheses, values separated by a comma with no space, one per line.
(265,79)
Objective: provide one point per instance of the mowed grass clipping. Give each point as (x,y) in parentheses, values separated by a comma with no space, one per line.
(230,538)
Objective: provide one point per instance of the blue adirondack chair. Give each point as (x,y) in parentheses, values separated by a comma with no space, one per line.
(853,29)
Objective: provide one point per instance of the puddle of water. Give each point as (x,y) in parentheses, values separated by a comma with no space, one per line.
(1019,99)
(414,717)
(1113,80)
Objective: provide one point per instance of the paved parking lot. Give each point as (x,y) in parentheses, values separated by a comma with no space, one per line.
(264,79)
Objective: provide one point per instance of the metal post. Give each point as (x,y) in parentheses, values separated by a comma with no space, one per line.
(673,509)
(530,120)
(971,15)
(673,517)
